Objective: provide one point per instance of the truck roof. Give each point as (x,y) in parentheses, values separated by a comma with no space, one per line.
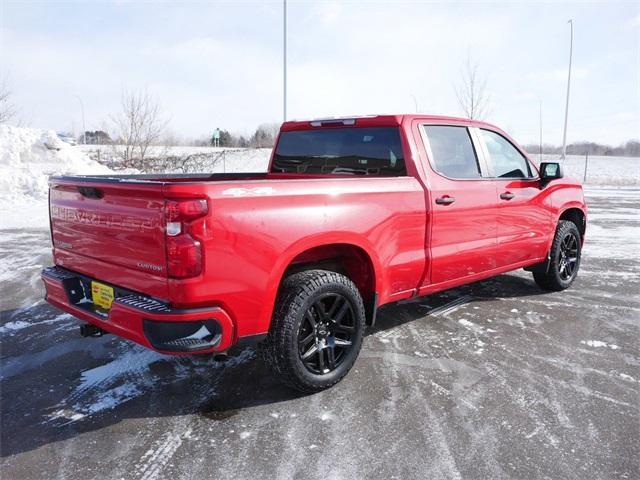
(388,120)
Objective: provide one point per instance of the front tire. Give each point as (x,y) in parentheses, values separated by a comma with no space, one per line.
(565,257)
(317,330)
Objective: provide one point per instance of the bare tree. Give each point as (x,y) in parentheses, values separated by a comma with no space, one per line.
(8,110)
(265,135)
(139,124)
(472,91)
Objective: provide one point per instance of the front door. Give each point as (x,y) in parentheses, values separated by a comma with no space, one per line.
(523,221)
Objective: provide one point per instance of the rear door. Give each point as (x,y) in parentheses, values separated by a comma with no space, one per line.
(111,231)
(462,204)
(523,222)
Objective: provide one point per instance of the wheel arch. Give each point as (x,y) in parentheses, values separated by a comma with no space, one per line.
(577,216)
(349,258)
(574,212)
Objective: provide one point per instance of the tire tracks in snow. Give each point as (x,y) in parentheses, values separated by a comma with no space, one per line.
(154,461)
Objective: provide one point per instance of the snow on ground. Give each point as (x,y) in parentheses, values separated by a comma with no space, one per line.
(619,221)
(601,170)
(124,378)
(27,157)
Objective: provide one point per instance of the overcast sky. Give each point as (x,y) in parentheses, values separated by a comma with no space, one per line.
(219,64)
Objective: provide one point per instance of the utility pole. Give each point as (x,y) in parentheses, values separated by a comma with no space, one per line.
(586,166)
(540,159)
(566,111)
(84,130)
(284,60)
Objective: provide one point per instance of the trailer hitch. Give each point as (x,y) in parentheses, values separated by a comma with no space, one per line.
(88,330)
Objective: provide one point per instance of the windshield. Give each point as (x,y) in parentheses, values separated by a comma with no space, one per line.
(344,151)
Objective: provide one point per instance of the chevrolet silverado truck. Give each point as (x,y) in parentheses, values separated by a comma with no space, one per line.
(352,214)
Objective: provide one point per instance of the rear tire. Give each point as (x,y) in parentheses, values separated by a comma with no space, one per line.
(565,257)
(317,330)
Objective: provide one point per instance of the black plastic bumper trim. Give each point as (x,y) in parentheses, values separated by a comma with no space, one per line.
(182,336)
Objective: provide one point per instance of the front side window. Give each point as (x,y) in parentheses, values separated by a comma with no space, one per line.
(506,161)
(452,152)
(341,151)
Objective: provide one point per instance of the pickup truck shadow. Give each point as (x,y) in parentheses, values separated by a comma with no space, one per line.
(56,386)
(503,286)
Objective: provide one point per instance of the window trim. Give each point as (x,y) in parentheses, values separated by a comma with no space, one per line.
(487,158)
(484,172)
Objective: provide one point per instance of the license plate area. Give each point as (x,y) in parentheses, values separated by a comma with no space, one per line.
(102,295)
(79,289)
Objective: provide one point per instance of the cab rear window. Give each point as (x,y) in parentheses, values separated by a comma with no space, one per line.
(341,151)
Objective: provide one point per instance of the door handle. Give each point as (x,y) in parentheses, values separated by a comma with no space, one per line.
(445,200)
(507,196)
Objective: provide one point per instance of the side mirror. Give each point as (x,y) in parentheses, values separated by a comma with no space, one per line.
(550,171)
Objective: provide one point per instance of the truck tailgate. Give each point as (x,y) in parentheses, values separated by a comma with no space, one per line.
(113,232)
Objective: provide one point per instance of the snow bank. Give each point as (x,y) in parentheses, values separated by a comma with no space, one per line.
(27,157)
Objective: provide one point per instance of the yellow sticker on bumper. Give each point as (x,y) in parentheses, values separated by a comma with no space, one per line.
(102,295)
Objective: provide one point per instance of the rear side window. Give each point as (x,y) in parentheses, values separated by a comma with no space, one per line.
(506,161)
(343,151)
(452,152)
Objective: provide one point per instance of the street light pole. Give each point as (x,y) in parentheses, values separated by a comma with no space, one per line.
(84,130)
(540,156)
(284,60)
(415,102)
(566,111)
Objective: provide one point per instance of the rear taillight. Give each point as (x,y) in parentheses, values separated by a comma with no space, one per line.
(184,252)
(184,256)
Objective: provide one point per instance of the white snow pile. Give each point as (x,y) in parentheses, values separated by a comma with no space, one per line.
(28,156)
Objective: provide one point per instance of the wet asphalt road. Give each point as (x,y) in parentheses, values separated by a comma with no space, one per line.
(493,380)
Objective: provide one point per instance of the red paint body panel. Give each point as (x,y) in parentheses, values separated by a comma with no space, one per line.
(262,226)
(389,231)
(124,227)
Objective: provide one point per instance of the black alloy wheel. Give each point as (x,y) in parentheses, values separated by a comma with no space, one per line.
(568,261)
(325,333)
(564,259)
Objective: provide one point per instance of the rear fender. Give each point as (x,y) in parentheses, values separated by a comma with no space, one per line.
(306,244)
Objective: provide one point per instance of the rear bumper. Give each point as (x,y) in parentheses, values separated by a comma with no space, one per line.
(142,319)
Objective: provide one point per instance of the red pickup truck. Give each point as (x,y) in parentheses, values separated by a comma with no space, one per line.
(353,213)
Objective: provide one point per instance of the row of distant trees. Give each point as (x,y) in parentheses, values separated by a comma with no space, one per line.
(629,149)
(263,137)
(8,110)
